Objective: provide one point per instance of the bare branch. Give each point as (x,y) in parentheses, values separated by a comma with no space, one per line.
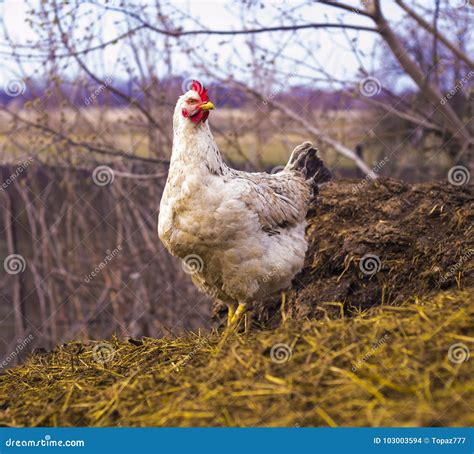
(320,135)
(350,8)
(428,27)
(430,91)
(250,31)
(85,145)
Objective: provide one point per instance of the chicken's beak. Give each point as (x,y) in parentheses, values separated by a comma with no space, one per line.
(207,106)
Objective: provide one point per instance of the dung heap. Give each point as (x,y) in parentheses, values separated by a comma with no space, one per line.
(379,242)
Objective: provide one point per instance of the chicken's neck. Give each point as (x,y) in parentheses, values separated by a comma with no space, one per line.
(194,146)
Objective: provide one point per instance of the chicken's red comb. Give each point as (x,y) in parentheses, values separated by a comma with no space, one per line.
(201,91)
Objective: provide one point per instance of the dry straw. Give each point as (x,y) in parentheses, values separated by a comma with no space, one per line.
(408,379)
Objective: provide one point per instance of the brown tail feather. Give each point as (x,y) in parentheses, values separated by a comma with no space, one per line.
(305,160)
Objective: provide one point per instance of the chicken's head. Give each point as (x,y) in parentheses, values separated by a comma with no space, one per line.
(195,103)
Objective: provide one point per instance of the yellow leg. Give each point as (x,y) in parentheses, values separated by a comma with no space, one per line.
(234,318)
(283,307)
(230,314)
(240,311)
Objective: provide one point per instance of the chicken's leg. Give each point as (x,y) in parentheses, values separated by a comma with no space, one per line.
(230,313)
(233,320)
(283,307)
(240,311)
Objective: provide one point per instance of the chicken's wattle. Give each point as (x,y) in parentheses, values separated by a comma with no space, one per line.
(199,115)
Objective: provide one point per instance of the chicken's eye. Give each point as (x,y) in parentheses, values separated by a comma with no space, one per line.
(192,101)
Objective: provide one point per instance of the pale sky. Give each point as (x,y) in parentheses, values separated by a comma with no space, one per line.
(330,46)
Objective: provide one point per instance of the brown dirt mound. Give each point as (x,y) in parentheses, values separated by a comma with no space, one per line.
(379,242)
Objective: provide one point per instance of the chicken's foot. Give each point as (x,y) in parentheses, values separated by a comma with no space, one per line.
(233,320)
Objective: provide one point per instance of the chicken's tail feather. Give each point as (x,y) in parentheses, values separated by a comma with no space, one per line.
(305,159)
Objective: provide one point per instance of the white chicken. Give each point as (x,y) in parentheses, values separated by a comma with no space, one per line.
(246,229)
